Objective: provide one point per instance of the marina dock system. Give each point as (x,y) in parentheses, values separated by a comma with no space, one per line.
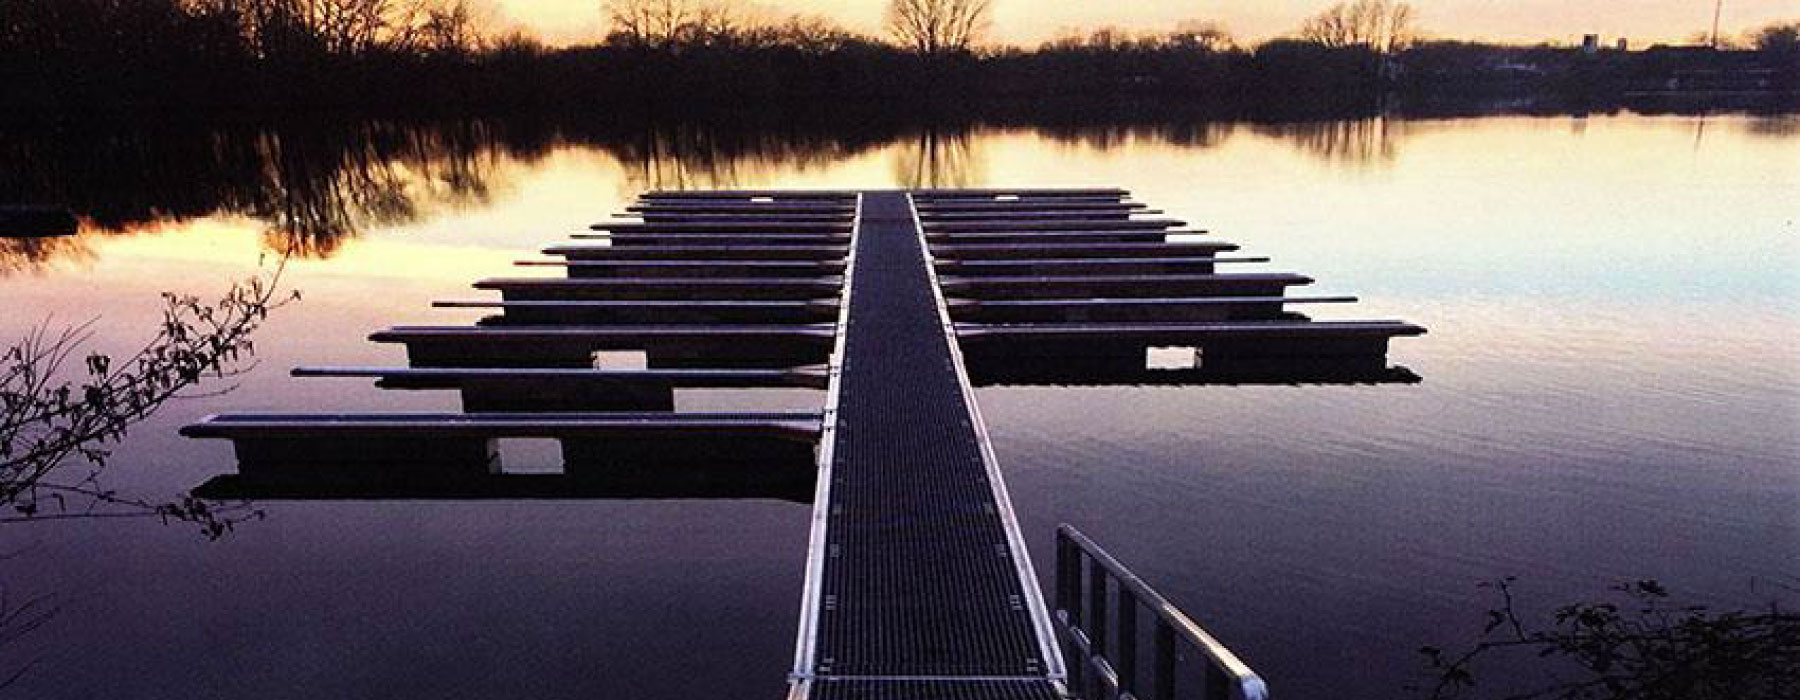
(892,305)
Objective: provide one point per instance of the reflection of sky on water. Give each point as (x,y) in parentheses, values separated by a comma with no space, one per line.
(1610,391)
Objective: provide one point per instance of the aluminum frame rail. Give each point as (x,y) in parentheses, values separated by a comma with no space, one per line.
(1083,613)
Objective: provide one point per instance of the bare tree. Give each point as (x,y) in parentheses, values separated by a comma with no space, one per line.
(349,27)
(938,27)
(1383,26)
(1330,28)
(446,27)
(665,23)
(1781,40)
(647,22)
(344,26)
(1401,31)
(1203,35)
(449,27)
(717,22)
(811,34)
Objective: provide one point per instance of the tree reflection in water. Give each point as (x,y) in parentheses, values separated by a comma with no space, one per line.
(34,253)
(314,185)
(698,157)
(938,158)
(1358,142)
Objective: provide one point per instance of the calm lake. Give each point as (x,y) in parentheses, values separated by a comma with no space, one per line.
(1611,391)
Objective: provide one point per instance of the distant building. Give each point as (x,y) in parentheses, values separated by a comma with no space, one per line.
(1590,44)
(1624,44)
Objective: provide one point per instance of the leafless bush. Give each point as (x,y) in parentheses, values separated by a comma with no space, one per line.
(59,422)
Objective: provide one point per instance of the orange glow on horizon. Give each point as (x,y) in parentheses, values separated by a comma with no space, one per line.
(563,22)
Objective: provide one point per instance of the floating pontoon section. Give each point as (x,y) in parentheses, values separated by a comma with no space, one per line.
(1039,237)
(502,345)
(1051,267)
(995,224)
(692,268)
(666,312)
(1109,285)
(736,226)
(700,252)
(680,213)
(661,238)
(703,208)
(1174,309)
(978,206)
(953,252)
(652,288)
(582,389)
(437,444)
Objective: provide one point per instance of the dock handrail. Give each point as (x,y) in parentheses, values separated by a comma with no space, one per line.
(1082,612)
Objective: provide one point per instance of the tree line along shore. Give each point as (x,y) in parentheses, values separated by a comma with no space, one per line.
(136,59)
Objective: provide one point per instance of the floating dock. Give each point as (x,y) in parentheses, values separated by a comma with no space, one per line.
(894,304)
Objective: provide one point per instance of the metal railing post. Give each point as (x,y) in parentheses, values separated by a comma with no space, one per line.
(1068,603)
(1097,607)
(1164,664)
(1127,667)
(1068,577)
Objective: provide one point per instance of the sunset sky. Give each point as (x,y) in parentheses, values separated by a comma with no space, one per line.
(1030,21)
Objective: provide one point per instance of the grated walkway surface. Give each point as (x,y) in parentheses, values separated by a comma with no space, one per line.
(920,593)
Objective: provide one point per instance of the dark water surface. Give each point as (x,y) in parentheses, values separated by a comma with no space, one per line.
(1611,391)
